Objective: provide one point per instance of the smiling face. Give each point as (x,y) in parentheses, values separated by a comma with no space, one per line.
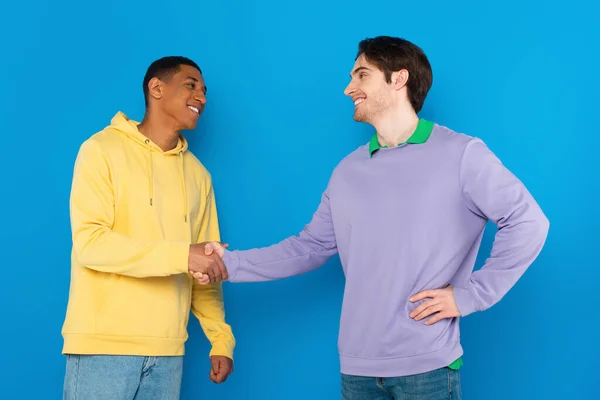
(183,97)
(371,94)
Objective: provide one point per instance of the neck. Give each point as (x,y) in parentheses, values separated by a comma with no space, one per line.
(396,127)
(160,130)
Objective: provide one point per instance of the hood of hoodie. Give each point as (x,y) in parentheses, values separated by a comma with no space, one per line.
(128,127)
(121,123)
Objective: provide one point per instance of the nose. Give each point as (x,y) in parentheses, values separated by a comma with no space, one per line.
(349,89)
(200,96)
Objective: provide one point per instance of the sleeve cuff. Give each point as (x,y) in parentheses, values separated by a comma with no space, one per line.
(222,348)
(231,260)
(178,258)
(465,301)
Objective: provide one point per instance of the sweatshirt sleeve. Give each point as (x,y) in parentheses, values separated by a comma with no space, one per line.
(207,300)
(95,244)
(307,251)
(492,192)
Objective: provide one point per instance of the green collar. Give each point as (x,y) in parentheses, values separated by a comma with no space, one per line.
(420,135)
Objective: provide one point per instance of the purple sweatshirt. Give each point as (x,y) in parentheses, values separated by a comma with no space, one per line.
(407,219)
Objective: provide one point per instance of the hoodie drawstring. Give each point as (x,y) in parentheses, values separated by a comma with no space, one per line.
(151,176)
(181,175)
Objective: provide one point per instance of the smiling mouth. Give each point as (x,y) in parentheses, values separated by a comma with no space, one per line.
(358,101)
(194,110)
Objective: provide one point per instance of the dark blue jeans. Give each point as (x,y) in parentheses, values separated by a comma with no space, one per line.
(441,384)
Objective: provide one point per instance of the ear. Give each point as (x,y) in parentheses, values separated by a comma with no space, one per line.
(399,79)
(155,88)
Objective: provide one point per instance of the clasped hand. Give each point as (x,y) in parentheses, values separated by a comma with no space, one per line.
(205,262)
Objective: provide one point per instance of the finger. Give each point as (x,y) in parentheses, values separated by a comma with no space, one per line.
(222,268)
(428,311)
(215,366)
(204,281)
(423,295)
(223,372)
(210,272)
(423,306)
(216,260)
(221,377)
(436,318)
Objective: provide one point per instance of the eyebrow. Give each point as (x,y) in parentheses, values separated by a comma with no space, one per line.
(358,69)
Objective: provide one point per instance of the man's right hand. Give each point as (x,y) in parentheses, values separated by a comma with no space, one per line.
(201,263)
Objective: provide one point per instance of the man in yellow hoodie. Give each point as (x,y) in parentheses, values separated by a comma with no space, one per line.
(142,208)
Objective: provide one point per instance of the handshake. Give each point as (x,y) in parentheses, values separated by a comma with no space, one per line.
(205,262)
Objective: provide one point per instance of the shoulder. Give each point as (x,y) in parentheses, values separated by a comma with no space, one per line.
(356,157)
(104,142)
(450,138)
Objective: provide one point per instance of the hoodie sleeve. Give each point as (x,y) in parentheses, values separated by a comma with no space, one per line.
(296,255)
(207,300)
(491,191)
(92,210)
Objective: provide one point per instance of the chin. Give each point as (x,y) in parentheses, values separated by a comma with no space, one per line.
(360,117)
(189,125)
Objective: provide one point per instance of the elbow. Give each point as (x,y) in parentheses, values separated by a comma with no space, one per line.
(84,242)
(539,228)
(543,225)
(84,254)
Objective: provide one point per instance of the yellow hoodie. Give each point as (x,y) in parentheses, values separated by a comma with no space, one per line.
(135,209)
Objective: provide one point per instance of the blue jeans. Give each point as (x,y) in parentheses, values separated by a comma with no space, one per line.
(441,384)
(122,378)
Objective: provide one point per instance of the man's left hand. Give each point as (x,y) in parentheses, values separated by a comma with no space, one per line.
(222,367)
(441,303)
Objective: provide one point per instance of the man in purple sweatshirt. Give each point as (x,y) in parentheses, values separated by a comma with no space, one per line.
(406,213)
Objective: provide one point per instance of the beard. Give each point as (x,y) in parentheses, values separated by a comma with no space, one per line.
(370,109)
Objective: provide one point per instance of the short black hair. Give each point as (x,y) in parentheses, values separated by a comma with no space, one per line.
(392,54)
(164,69)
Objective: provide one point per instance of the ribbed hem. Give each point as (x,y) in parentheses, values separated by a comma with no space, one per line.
(465,301)
(221,348)
(401,366)
(122,345)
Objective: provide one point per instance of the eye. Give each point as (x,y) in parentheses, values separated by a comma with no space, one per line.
(191,85)
(362,75)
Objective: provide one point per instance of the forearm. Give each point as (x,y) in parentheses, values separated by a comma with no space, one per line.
(516,246)
(208,307)
(101,249)
(293,256)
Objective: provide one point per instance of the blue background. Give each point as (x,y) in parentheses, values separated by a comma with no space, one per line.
(522,76)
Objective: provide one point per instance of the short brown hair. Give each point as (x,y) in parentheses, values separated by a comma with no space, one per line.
(392,54)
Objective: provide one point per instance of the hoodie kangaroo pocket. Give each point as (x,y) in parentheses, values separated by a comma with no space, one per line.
(148,307)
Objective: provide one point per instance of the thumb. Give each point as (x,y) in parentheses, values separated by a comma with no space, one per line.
(218,248)
(208,249)
(215,366)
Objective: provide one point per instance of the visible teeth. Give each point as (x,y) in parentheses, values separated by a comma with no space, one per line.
(358,101)
(194,109)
